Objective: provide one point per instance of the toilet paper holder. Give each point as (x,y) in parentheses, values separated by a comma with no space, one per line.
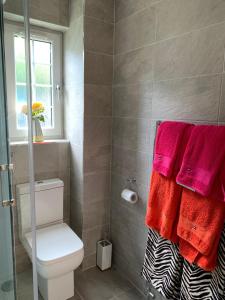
(131,180)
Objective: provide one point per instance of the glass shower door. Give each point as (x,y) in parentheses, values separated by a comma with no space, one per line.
(7,273)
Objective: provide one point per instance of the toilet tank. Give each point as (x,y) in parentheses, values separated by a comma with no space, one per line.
(48,204)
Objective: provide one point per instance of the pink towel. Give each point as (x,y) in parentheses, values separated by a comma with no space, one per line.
(170,144)
(203,157)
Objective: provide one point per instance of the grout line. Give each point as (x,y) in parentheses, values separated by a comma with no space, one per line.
(220,100)
(169,79)
(152,4)
(129,149)
(99,53)
(170,38)
(97,19)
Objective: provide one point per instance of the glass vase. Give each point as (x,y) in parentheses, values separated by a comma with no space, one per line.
(37,131)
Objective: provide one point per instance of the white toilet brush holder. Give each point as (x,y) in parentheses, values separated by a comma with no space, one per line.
(104,255)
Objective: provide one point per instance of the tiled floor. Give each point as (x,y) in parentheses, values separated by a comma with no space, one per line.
(109,285)
(89,285)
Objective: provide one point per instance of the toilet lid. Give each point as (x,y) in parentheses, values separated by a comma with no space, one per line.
(55,243)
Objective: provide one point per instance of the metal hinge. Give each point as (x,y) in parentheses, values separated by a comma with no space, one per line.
(8,167)
(9,202)
(6,203)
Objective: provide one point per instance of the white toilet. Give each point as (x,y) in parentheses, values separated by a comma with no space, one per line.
(59,250)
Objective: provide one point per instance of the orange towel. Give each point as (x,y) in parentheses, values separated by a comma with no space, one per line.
(206,262)
(200,224)
(163,206)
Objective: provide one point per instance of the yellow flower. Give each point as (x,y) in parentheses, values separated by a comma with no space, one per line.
(36,106)
(24,109)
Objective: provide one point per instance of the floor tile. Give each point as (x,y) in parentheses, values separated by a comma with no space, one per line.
(132,294)
(96,285)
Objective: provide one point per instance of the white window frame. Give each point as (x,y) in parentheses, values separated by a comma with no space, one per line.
(55,38)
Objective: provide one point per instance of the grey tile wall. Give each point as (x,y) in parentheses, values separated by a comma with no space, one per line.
(168,64)
(74,108)
(54,12)
(98,68)
(88,74)
(51,160)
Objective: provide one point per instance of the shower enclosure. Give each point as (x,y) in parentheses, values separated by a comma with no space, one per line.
(8,214)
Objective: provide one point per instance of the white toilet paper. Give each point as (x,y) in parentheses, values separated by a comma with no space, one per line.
(129,196)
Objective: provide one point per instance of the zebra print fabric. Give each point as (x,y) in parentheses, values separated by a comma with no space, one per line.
(175,278)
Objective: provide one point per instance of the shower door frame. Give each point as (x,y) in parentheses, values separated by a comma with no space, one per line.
(7,182)
(6,198)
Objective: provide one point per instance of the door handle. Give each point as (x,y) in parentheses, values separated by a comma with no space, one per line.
(6,168)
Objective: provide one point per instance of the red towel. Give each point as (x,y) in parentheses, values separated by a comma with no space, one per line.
(200,224)
(203,157)
(171,141)
(163,206)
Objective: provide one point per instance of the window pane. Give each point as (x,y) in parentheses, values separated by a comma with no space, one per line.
(21,95)
(19,44)
(20,72)
(20,101)
(42,74)
(41,79)
(42,52)
(44,95)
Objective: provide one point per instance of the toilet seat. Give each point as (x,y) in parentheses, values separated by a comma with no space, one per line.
(59,250)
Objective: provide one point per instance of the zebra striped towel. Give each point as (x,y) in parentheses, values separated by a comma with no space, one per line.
(175,278)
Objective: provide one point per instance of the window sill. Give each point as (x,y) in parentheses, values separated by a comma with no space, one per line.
(58,141)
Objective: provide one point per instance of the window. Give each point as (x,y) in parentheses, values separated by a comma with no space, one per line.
(46,78)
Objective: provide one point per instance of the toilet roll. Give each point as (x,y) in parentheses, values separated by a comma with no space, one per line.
(129,196)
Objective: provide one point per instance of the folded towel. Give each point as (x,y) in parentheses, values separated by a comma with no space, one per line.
(170,143)
(205,262)
(163,206)
(202,159)
(201,221)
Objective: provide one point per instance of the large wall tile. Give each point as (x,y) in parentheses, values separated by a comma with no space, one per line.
(142,25)
(73,51)
(76,215)
(98,100)
(132,133)
(97,158)
(119,183)
(96,213)
(178,16)
(73,103)
(103,10)
(92,235)
(124,8)
(130,163)
(97,131)
(132,234)
(97,186)
(133,100)
(98,36)
(134,66)
(98,68)
(197,53)
(187,99)
(74,129)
